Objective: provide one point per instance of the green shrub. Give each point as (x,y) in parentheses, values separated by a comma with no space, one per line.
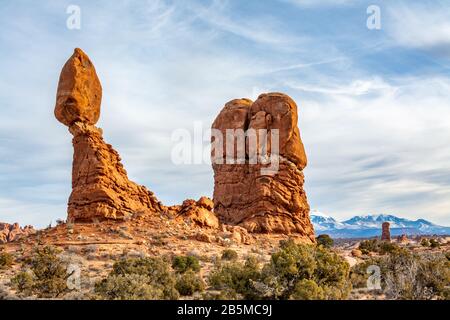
(381,247)
(181,264)
(425,242)
(434,243)
(407,276)
(48,274)
(296,271)
(359,274)
(188,283)
(235,279)
(387,247)
(410,276)
(295,263)
(229,255)
(307,290)
(447,255)
(128,287)
(156,280)
(367,246)
(6,260)
(24,282)
(325,240)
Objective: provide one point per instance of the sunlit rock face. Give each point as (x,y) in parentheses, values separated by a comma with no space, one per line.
(100,186)
(244,194)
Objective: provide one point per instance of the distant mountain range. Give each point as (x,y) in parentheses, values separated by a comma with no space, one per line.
(370,226)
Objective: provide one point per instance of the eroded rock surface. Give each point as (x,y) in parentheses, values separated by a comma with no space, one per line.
(198,212)
(79,92)
(100,186)
(246,196)
(12,232)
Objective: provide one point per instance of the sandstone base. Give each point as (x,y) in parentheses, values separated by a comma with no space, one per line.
(262,204)
(100,186)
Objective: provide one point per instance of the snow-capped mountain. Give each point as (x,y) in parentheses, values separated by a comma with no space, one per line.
(322,222)
(370,226)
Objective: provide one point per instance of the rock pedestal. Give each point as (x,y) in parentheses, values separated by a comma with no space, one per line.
(385,231)
(100,186)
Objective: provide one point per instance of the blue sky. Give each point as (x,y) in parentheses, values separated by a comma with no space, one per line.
(374,105)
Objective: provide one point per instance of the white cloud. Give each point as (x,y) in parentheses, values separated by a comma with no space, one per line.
(419,25)
(355,88)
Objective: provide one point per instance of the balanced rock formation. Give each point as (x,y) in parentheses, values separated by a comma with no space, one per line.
(244,194)
(385,231)
(12,232)
(100,186)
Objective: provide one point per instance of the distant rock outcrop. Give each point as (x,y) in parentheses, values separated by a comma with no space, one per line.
(100,186)
(246,196)
(385,231)
(403,239)
(12,232)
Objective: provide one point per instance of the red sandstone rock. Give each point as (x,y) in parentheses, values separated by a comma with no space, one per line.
(203,237)
(206,203)
(199,212)
(386,233)
(79,91)
(100,186)
(239,235)
(12,232)
(246,197)
(280,112)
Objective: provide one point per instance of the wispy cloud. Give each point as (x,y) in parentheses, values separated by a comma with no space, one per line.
(355,88)
(420,25)
(256,28)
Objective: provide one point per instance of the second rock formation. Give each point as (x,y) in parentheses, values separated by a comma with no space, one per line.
(243,194)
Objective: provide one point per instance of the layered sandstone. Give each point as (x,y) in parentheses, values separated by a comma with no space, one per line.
(100,186)
(245,195)
(12,232)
